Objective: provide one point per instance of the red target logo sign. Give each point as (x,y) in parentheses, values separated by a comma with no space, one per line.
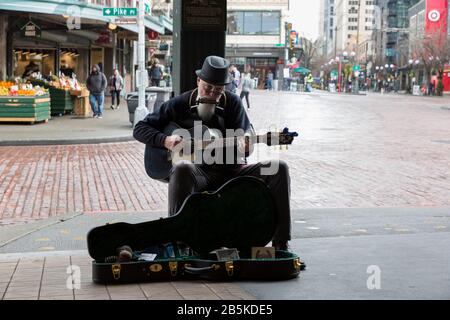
(434,15)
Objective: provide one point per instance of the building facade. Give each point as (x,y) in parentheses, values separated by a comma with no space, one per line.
(326,27)
(354,23)
(256,36)
(73,34)
(418,31)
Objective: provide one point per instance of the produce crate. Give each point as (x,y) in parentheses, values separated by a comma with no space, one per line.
(24,108)
(61,101)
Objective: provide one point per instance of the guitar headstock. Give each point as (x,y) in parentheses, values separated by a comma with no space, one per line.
(280,138)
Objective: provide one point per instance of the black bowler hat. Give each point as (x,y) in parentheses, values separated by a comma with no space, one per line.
(215,71)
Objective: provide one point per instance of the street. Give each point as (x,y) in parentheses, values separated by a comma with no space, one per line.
(353,151)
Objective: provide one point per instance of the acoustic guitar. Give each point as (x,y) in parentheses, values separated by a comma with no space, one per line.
(159,161)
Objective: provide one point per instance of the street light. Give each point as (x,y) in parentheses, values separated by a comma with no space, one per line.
(355,88)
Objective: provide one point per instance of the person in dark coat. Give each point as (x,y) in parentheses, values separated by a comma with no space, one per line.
(96,83)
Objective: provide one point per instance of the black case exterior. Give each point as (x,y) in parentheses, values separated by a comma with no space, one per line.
(285,266)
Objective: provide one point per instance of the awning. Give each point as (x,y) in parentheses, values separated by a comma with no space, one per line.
(75,9)
(302,70)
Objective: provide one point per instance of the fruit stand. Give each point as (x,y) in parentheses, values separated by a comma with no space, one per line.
(67,96)
(23,103)
(61,101)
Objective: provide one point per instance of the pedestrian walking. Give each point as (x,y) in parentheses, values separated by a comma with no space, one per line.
(96,83)
(270,80)
(155,73)
(115,87)
(235,76)
(309,82)
(245,90)
(431,88)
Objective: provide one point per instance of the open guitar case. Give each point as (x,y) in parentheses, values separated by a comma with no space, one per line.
(240,215)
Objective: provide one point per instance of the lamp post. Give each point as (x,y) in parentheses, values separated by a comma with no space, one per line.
(338,60)
(142,78)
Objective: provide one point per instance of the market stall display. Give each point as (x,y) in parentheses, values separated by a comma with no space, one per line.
(67,95)
(82,107)
(23,103)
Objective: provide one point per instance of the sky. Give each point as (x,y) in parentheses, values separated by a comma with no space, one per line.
(304,15)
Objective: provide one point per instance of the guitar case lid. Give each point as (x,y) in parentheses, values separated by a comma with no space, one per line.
(241,214)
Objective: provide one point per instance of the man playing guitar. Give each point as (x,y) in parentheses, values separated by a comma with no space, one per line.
(221,110)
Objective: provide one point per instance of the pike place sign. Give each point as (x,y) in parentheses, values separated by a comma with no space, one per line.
(120,12)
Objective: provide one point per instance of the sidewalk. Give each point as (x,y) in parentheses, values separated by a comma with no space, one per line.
(375,253)
(48,277)
(70,129)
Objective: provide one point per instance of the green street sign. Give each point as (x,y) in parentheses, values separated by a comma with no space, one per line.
(357,68)
(279,45)
(120,12)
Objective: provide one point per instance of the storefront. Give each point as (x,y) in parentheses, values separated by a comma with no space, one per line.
(45,49)
(258,62)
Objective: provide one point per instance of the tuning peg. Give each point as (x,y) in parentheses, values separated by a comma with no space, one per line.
(281,147)
(287,147)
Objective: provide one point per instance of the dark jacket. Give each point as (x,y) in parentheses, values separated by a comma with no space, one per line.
(230,115)
(155,72)
(96,83)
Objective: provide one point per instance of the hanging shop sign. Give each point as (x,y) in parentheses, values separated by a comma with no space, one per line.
(436,17)
(31,29)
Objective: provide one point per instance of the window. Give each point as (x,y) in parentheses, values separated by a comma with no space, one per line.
(235,22)
(270,23)
(254,22)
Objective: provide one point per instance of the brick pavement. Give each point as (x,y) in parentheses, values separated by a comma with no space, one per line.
(354,151)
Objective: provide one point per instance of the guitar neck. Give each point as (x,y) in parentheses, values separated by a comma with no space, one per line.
(229,142)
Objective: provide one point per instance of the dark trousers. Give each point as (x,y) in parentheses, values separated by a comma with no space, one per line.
(115,94)
(187,178)
(246,95)
(155,82)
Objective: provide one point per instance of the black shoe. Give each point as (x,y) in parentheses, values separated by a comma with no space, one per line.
(281,245)
(112,107)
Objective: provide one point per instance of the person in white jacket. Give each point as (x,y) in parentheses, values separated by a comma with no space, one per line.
(115,87)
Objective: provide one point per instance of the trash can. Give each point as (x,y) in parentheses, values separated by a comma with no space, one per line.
(163,94)
(275,85)
(132,100)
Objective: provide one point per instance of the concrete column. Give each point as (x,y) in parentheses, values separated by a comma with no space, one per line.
(196,36)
